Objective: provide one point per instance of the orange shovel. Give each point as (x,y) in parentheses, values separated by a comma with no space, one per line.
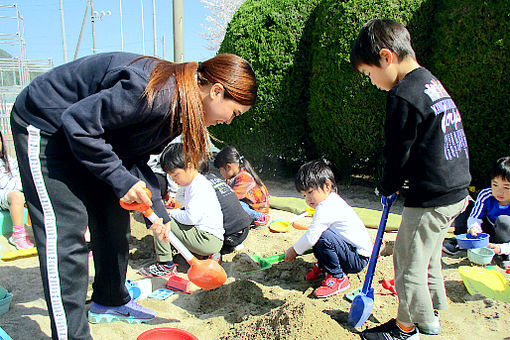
(207,274)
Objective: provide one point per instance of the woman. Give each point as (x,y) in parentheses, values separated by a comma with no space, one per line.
(83,134)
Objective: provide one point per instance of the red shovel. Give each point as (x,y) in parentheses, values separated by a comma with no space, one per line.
(207,274)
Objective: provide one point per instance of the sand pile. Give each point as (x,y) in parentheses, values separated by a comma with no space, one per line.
(237,301)
(298,318)
(243,262)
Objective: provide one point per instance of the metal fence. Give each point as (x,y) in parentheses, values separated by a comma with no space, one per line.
(15,72)
(8,93)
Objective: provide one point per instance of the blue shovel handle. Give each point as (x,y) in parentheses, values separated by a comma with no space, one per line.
(386,203)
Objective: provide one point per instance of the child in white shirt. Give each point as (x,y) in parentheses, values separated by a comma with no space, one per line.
(338,237)
(199,224)
(12,197)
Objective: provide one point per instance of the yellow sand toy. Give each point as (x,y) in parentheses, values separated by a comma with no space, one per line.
(284,226)
(13,255)
(487,282)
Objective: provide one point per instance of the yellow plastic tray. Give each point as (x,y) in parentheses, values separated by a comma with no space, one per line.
(487,282)
(12,255)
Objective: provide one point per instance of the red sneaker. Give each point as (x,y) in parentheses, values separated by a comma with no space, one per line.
(215,257)
(332,286)
(315,274)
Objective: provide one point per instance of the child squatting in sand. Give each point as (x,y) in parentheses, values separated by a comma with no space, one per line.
(338,237)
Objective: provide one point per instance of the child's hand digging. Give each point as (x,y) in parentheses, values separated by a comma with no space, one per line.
(290,254)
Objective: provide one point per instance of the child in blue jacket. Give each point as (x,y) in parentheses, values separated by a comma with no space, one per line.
(491,212)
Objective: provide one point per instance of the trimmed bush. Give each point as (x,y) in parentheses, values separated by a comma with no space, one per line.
(269,34)
(469,51)
(311,103)
(346,111)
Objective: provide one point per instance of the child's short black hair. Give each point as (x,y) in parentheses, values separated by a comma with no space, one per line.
(502,168)
(377,34)
(172,157)
(314,175)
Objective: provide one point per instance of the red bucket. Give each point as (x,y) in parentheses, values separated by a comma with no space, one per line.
(166,333)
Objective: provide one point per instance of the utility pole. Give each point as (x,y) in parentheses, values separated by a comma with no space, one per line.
(92,18)
(121,34)
(178,31)
(81,30)
(143,35)
(63,31)
(154,27)
(164,46)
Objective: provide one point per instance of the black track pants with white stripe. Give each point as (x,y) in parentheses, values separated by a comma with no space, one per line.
(63,197)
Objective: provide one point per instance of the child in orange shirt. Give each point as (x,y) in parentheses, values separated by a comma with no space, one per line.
(246,184)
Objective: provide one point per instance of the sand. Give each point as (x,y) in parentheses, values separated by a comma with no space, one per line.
(272,304)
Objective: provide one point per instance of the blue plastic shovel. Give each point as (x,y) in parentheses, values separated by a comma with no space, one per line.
(363,303)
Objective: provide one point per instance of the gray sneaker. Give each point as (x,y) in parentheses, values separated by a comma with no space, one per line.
(131,312)
(433,328)
(502,260)
(451,247)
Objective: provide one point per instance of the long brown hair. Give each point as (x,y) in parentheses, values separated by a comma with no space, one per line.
(233,72)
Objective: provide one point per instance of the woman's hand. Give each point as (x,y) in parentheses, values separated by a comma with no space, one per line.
(495,247)
(161,230)
(136,194)
(290,254)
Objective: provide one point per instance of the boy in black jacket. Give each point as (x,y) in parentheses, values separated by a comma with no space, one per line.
(426,147)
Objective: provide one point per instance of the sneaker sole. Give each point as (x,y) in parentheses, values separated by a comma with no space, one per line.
(150,276)
(412,337)
(333,293)
(429,331)
(147,275)
(107,318)
(446,251)
(316,279)
(12,243)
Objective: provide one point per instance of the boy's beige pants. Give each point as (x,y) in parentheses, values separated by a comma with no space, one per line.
(417,261)
(197,241)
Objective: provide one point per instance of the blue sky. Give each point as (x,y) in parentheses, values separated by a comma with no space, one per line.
(43,34)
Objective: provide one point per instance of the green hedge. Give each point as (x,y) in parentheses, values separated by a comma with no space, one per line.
(346,110)
(469,51)
(270,35)
(312,104)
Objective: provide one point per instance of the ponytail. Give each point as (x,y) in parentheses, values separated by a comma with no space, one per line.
(233,72)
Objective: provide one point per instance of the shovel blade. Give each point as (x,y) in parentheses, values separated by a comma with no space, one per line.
(264,264)
(261,262)
(361,309)
(207,274)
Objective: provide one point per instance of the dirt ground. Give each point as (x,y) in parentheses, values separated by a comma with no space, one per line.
(272,304)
